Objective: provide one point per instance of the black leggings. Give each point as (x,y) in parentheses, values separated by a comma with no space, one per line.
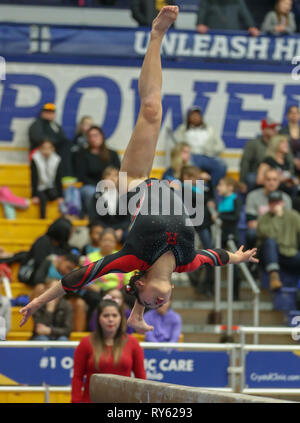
(50,194)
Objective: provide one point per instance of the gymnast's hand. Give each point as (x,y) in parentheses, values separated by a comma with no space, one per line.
(136,319)
(28,310)
(241,256)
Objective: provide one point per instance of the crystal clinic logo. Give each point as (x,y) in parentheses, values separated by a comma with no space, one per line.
(2,69)
(296,330)
(296,69)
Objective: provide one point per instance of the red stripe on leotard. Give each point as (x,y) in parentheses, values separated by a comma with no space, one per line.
(123,264)
(198,261)
(126,264)
(216,255)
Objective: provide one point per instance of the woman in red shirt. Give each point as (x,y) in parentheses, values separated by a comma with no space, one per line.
(107,350)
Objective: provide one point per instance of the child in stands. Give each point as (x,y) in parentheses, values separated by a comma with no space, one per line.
(53,268)
(167,324)
(118,296)
(53,321)
(95,231)
(46,174)
(229,210)
(107,245)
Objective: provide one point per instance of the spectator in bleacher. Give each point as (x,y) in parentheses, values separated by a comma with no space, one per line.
(257,203)
(278,234)
(46,128)
(4,254)
(80,140)
(46,175)
(229,209)
(145,11)
(92,294)
(5,306)
(91,162)
(167,324)
(53,267)
(108,245)
(279,157)
(107,350)
(225,15)
(180,156)
(292,130)
(55,241)
(105,206)
(206,145)
(118,296)
(254,152)
(95,231)
(281,20)
(53,321)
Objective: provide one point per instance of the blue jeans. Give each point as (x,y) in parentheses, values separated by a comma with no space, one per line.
(272,258)
(251,238)
(205,237)
(87,193)
(215,166)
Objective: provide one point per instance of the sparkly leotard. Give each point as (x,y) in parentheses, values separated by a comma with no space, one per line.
(159,223)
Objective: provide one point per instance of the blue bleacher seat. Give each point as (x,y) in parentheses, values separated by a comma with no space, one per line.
(285,299)
(289,280)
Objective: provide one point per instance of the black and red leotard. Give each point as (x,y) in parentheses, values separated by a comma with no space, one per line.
(152,233)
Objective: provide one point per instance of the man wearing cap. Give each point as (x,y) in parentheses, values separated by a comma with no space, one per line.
(205,144)
(257,203)
(278,235)
(45,128)
(254,153)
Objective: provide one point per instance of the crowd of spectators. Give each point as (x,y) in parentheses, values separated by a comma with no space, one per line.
(266,196)
(269,163)
(276,17)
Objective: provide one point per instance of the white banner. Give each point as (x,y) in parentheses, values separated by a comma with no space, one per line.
(233,102)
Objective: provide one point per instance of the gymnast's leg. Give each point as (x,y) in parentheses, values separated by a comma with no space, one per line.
(140,152)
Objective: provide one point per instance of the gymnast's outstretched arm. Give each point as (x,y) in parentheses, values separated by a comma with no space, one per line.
(120,262)
(218,257)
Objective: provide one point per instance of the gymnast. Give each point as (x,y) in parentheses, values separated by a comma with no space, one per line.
(158,244)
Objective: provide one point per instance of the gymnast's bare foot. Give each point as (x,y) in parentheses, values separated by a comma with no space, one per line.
(139,325)
(166,17)
(136,319)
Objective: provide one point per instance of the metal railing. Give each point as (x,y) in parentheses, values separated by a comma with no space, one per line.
(218,244)
(256,293)
(237,374)
(230,348)
(244,348)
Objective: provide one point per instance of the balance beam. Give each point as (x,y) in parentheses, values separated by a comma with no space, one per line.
(106,388)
